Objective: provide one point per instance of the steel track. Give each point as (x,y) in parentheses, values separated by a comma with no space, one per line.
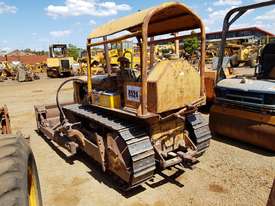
(199,131)
(135,136)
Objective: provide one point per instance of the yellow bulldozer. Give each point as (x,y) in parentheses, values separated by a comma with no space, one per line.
(131,123)
(59,64)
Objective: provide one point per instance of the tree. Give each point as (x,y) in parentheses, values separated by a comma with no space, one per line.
(191,44)
(74,51)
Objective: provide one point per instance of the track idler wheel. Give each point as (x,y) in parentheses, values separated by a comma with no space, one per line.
(116,149)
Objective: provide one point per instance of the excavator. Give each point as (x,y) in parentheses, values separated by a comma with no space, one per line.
(132,123)
(244,107)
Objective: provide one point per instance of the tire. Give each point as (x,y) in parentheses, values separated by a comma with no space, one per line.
(234,62)
(52,73)
(49,73)
(66,74)
(253,60)
(19,182)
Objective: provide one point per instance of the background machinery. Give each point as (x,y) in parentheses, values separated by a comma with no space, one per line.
(18,173)
(129,122)
(242,53)
(59,64)
(239,53)
(96,62)
(126,49)
(244,107)
(17,71)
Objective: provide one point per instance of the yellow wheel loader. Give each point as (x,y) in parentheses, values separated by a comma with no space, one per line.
(59,64)
(131,123)
(244,108)
(18,174)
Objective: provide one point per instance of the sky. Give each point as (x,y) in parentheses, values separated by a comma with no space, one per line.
(36,24)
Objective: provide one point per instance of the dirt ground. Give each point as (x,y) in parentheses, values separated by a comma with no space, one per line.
(229,173)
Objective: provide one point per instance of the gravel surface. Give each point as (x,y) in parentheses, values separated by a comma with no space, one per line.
(229,173)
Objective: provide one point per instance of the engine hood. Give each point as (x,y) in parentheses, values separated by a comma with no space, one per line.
(248,85)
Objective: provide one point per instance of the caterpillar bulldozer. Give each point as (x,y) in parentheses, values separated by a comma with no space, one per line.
(133,122)
(59,64)
(18,174)
(244,108)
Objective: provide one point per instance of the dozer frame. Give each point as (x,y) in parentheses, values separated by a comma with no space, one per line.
(124,122)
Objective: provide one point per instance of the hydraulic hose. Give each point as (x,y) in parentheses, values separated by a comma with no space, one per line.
(63,117)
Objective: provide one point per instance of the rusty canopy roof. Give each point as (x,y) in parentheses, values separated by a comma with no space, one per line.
(168,17)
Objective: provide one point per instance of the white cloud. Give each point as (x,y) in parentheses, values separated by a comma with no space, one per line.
(209,9)
(215,17)
(60,33)
(86,7)
(266,21)
(270,16)
(7,49)
(227,2)
(4,8)
(92,22)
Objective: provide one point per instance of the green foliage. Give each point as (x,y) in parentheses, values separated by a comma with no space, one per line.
(74,51)
(191,44)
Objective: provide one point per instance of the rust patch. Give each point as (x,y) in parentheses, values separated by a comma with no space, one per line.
(69,196)
(159,203)
(216,188)
(137,204)
(37,91)
(78,181)
(66,198)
